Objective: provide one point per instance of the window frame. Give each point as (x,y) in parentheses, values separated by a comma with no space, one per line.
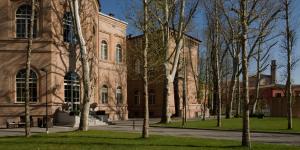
(104,100)
(104,50)
(119,95)
(25,19)
(137,66)
(137,97)
(74,87)
(152,97)
(68,25)
(119,54)
(32,72)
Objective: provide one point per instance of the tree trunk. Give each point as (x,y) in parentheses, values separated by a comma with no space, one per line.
(244,44)
(184,98)
(177,97)
(28,70)
(253,110)
(84,118)
(171,72)
(216,67)
(206,86)
(165,118)
(232,88)
(289,51)
(238,98)
(145,133)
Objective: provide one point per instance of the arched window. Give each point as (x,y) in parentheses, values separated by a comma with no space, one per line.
(118,53)
(137,98)
(137,66)
(104,94)
(69,35)
(23,15)
(72,90)
(119,95)
(104,50)
(151,97)
(20,86)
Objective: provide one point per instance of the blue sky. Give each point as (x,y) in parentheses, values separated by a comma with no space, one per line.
(121,9)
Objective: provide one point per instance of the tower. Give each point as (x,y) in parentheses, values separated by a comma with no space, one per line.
(273,71)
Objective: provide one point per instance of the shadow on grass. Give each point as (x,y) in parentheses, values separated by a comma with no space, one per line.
(101,143)
(77,139)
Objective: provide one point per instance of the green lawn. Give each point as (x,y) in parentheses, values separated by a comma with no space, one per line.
(108,140)
(265,125)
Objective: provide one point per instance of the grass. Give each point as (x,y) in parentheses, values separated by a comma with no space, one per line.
(261,125)
(109,140)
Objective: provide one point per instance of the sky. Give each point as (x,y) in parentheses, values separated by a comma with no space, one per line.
(120,9)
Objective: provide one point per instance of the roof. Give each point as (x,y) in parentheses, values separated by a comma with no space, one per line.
(113,18)
(276,86)
(261,75)
(189,36)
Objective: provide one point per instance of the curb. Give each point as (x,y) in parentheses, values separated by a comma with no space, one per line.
(224,130)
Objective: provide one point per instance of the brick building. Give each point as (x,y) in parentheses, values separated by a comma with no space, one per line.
(56,56)
(156,78)
(272,100)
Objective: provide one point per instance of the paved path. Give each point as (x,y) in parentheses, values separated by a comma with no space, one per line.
(276,138)
(289,139)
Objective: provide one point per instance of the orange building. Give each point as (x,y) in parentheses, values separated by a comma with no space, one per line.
(55,56)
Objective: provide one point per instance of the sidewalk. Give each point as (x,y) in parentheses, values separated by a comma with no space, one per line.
(272,138)
(127,126)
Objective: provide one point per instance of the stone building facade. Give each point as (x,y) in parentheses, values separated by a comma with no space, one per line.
(55,56)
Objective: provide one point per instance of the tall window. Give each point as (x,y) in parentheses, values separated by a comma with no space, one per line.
(104,50)
(118,53)
(119,95)
(20,86)
(137,98)
(137,66)
(104,94)
(151,97)
(23,15)
(72,90)
(69,34)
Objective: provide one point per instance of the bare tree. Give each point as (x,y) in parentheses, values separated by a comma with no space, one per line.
(85,66)
(244,42)
(212,15)
(28,71)
(215,63)
(145,133)
(231,39)
(261,58)
(288,47)
(172,12)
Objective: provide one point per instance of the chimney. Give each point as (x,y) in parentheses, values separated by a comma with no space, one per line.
(129,36)
(111,14)
(273,71)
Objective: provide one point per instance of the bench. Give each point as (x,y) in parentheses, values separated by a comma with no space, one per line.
(11,123)
(21,124)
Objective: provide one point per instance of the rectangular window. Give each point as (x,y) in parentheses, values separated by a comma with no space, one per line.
(104,95)
(137,100)
(119,95)
(151,98)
